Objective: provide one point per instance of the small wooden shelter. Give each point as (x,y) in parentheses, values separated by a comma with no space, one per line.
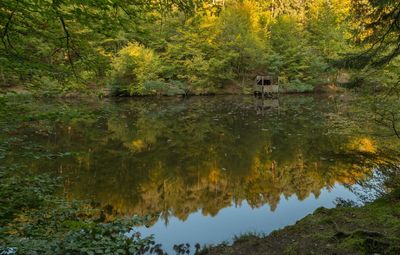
(266,85)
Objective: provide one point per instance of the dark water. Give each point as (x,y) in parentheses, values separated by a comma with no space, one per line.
(209,168)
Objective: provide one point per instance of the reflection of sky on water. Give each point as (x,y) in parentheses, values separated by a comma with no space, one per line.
(189,159)
(239,220)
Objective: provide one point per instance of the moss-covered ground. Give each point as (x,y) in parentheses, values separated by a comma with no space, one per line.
(371,229)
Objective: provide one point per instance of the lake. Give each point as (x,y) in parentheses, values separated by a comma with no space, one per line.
(207,168)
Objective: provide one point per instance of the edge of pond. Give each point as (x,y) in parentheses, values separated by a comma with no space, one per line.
(371,229)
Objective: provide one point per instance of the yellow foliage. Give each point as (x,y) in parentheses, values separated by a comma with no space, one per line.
(363,145)
(138,145)
(214,176)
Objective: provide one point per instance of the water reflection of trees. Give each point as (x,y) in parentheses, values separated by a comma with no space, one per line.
(148,157)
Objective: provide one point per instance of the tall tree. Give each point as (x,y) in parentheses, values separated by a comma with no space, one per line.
(378,29)
(58,37)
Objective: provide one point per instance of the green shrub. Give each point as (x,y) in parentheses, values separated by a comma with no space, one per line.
(296,87)
(133,67)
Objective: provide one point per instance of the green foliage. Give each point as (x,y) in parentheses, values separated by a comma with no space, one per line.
(33,218)
(142,48)
(376,30)
(303,49)
(289,49)
(133,67)
(36,220)
(40,223)
(21,193)
(240,39)
(296,87)
(193,57)
(163,88)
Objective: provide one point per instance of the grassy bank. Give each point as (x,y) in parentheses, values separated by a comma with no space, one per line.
(371,229)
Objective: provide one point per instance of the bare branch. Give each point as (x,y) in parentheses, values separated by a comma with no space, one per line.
(5,32)
(68,45)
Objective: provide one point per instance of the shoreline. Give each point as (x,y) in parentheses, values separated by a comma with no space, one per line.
(108,93)
(93,95)
(370,229)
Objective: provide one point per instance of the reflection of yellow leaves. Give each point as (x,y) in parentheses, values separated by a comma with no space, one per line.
(214,176)
(352,176)
(161,190)
(363,145)
(138,145)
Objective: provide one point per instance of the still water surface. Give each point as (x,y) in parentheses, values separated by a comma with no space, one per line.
(210,168)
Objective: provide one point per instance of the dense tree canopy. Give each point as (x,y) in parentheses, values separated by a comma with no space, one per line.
(379,29)
(180,47)
(176,157)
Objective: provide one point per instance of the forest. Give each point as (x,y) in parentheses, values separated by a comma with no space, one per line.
(195,47)
(130,127)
